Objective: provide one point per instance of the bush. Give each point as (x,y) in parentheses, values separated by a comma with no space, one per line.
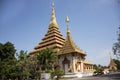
(59,72)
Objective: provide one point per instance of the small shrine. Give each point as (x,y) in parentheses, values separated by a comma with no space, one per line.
(112,65)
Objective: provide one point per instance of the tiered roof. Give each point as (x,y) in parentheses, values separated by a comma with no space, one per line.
(53,38)
(70,46)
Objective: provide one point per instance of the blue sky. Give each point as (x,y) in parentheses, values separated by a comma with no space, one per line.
(93,24)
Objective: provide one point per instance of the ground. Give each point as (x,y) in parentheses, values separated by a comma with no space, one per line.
(111,76)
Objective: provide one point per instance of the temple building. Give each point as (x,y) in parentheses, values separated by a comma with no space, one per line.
(70,58)
(112,65)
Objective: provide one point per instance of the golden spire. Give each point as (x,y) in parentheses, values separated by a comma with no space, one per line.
(70,46)
(110,56)
(67,21)
(112,63)
(53,22)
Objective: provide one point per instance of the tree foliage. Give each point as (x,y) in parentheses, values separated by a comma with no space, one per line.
(7,60)
(46,58)
(7,51)
(59,72)
(22,66)
(10,67)
(116,46)
(118,64)
(98,69)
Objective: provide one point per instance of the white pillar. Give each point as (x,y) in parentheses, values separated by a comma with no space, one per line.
(81,66)
(74,70)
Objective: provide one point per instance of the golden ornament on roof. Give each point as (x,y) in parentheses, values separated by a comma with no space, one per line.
(67,19)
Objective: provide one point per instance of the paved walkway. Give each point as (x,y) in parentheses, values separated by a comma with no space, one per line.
(112,76)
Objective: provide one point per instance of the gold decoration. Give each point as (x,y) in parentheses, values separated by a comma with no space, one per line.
(67,19)
(53,22)
(70,46)
(53,38)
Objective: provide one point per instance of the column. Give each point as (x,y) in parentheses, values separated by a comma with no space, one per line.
(81,66)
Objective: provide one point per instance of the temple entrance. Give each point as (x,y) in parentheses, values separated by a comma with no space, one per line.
(66,65)
(66,68)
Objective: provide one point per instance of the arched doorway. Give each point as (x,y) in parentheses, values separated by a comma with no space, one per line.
(66,65)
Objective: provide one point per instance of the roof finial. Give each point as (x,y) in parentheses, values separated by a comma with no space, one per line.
(67,21)
(52,3)
(53,21)
(110,55)
(53,12)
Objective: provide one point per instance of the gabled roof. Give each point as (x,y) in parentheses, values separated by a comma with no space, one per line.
(70,46)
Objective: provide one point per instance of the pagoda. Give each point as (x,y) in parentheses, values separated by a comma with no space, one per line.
(112,65)
(70,57)
(53,38)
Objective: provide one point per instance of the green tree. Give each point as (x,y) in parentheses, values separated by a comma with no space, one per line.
(28,65)
(59,72)
(33,65)
(46,58)
(23,64)
(118,63)
(7,51)
(22,55)
(98,68)
(11,67)
(116,46)
(7,60)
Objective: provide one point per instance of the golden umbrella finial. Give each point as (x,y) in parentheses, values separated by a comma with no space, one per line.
(110,55)
(67,19)
(52,3)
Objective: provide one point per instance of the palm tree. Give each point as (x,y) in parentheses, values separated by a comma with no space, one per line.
(46,59)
